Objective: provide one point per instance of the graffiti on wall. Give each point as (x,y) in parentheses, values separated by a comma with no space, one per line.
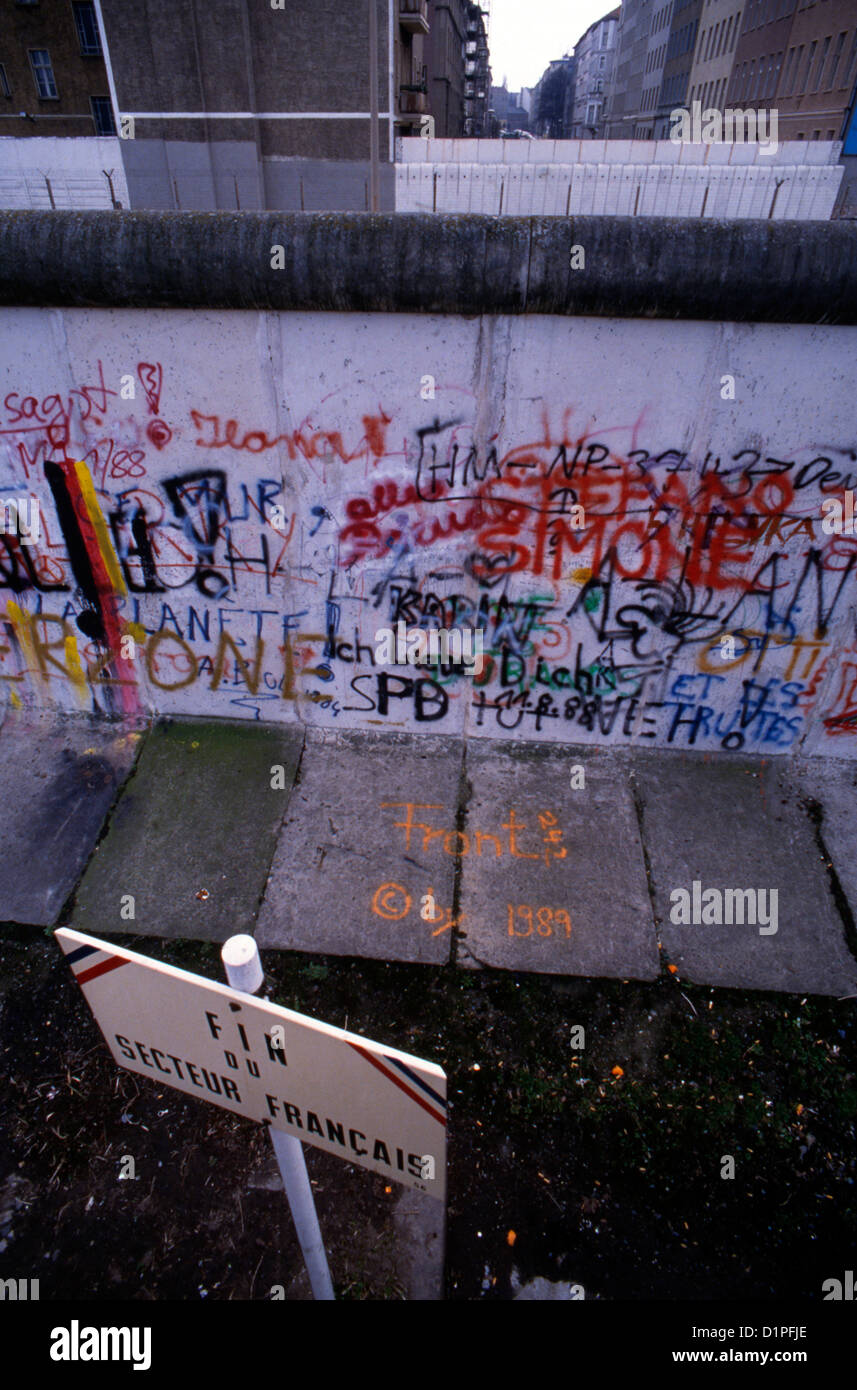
(626,589)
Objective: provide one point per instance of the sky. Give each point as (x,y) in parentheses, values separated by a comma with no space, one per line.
(526,34)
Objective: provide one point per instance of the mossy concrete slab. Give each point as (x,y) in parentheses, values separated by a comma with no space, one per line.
(734,825)
(59,775)
(553,877)
(192,836)
(353,866)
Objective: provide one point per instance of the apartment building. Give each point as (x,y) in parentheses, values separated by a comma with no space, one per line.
(458,72)
(758,59)
(594,55)
(625,98)
(653,67)
(817,66)
(477,73)
(52,75)
(719,27)
(238,104)
(678,61)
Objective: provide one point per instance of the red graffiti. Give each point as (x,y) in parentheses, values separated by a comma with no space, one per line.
(151,378)
(309,444)
(158,433)
(843,716)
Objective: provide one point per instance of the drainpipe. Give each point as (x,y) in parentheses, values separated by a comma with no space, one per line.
(391,64)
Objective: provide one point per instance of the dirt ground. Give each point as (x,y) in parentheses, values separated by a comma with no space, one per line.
(598,1165)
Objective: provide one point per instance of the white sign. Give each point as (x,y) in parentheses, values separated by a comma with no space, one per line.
(365,1103)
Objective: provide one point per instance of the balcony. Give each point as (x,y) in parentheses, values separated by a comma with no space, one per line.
(413,15)
(413,101)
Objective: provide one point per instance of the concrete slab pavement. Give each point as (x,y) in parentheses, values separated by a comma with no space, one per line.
(352,867)
(734,824)
(59,776)
(829,790)
(430,849)
(553,877)
(192,836)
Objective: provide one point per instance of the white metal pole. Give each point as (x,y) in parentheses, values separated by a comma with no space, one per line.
(105,51)
(391,78)
(374,149)
(240,956)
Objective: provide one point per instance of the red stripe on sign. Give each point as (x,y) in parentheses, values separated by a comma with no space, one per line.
(391,1076)
(112,963)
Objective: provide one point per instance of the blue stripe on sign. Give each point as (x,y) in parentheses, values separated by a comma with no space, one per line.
(81,952)
(417,1080)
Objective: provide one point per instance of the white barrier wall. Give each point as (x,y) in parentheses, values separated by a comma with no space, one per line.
(69,170)
(234,503)
(563,178)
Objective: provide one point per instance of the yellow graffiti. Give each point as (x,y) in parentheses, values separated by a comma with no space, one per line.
(99,526)
(72,661)
(758,643)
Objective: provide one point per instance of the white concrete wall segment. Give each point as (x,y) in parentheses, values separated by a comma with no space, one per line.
(740,178)
(233,505)
(62,172)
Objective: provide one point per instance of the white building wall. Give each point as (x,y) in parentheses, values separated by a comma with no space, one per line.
(39,173)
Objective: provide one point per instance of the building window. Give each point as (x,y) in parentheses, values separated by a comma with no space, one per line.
(835,60)
(87,30)
(4,82)
(43,73)
(821,63)
(102,114)
(813,46)
(850,60)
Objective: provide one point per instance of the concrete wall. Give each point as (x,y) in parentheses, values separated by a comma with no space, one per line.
(75,170)
(250,494)
(191,176)
(628,178)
